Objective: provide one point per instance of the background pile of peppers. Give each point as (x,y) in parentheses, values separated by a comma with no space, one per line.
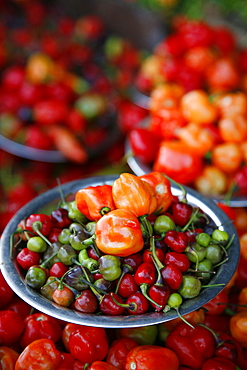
(24,331)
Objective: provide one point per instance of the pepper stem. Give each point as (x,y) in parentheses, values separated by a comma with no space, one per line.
(144,287)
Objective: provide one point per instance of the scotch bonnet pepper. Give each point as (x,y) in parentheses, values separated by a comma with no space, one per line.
(119,233)
(95,201)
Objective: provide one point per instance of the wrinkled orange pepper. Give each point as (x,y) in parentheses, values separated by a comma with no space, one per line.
(119,233)
(242,300)
(238,328)
(197,108)
(162,188)
(95,201)
(134,195)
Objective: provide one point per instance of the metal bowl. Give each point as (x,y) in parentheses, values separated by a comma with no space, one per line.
(55,156)
(15,278)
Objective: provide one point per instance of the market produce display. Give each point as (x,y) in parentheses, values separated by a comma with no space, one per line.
(125,246)
(63,83)
(196,82)
(213,336)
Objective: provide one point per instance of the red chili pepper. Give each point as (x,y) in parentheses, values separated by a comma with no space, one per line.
(177,241)
(171,276)
(193,346)
(27,258)
(179,260)
(109,305)
(218,363)
(95,201)
(159,294)
(145,274)
(11,327)
(151,357)
(127,286)
(44,349)
(41,222)
(147,255)
(144,144)
(181,212)
(88,344)
(39,325)
(119,350)
(138,304)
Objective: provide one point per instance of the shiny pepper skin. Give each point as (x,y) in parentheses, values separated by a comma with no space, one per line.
(162,188)
(151,357)
(119,233)
(193,346)
(39,349)
(95,201)
(238,327)
(134,195)
(88,344)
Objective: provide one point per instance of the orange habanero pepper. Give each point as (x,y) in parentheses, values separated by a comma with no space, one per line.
(238,327)
(162,188)
(119,233)
(95,201)
(134,195)
(151,357)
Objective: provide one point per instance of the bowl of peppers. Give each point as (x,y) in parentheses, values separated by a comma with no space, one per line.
(119,251)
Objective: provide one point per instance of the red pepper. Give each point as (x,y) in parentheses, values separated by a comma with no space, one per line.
(144,144)
(39,326)
(218,363)
(31,356)
(101,365)
(193,346)
(41,222)
(11,327)
(118,351)
(151,357)
(177,241)
(88,344)
(95,201)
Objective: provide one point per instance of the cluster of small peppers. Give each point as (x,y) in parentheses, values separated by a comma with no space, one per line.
(195,85)
(215,339)
(61,92)
(108,252)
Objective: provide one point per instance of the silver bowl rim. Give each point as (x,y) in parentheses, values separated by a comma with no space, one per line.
(36,300)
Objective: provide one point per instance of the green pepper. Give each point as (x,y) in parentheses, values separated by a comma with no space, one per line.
(163,224)
(76,241)
(67,254)
(64,236)
(49,287)
(75,214)
(109,267)
(86,261)
(35,277)
(190,287)
(36,244)
(142,335)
